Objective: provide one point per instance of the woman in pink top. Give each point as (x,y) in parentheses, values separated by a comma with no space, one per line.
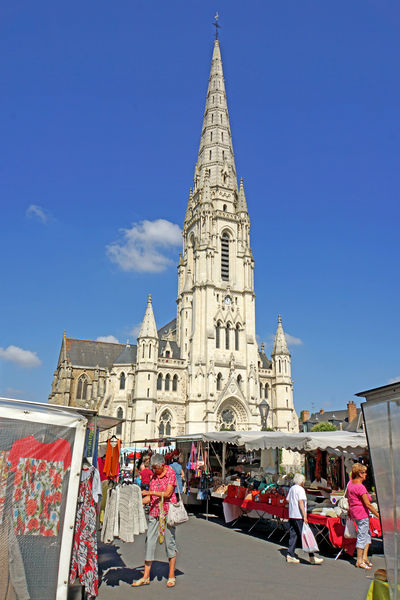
(359,508)
(162,486)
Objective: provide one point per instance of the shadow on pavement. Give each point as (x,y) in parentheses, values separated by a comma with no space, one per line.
(114,576)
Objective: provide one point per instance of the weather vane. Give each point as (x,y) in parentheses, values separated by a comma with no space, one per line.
(216,25)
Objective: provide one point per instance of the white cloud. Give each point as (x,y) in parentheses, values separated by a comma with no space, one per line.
(34,211)
(23,358)
(107,338)
(394,380)
(14,393)
(134,332)
(293,341)
(145,246)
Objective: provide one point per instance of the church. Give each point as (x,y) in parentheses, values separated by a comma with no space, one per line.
(202,371)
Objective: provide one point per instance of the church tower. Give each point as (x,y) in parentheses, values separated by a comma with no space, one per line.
(282,392)
(216,300)
(146,375)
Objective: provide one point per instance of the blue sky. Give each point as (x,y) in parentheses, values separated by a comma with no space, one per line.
(101,108)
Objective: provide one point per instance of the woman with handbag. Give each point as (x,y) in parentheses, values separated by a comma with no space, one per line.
(359,508)
(297,519)
(159,496)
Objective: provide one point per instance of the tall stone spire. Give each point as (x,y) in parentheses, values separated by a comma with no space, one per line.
(280,343)
(216,151)
(148,328)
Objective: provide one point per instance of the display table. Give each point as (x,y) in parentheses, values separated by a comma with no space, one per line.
(379,590)
(335,529)
(329,529)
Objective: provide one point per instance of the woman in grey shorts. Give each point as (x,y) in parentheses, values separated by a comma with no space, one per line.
(162,486)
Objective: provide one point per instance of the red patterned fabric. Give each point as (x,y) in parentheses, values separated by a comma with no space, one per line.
(29,447)
(159,484)
(84,552)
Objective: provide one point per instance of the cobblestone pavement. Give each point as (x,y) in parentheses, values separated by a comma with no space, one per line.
(216,562)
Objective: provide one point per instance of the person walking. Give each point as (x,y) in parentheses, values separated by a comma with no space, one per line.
(297,517)
(159,496)
(176,465)
(145,473)
(359,508)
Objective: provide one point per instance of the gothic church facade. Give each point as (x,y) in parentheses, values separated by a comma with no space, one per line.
(203,371)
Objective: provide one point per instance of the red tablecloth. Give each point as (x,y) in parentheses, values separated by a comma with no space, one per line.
(277,510)
(334,525)
(336,531)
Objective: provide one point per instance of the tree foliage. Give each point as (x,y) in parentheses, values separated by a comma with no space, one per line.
(325,426)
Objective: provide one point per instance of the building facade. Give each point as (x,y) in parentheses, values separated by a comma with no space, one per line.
(203,371)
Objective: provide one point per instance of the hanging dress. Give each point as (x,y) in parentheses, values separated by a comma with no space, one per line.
(84,563)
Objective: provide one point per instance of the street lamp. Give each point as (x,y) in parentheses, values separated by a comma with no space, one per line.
(263,407)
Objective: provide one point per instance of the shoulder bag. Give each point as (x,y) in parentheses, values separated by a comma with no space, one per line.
(176,514)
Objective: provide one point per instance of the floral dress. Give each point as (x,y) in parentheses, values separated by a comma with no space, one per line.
(84,551)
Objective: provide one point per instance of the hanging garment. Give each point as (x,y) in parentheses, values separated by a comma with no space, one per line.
(124,516)
(13,584)
(100,465)
(111,465)
(39,472)
(84,563)
(3,481)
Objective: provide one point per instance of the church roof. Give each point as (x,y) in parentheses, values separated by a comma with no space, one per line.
(265,362)
(165,329)
(280,343)
(127,356)
(88,353)
(173,345)
(148,328)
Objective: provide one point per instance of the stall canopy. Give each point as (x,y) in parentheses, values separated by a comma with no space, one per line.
(300,442)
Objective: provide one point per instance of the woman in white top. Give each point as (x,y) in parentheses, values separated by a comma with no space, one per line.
(297,516)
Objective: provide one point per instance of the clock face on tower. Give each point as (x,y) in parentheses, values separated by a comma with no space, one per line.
(227,300)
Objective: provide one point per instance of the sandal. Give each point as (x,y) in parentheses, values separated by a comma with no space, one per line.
(363,565)
(141,581)
(171,582)
(369,563)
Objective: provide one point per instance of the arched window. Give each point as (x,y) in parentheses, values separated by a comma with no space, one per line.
(261,390)
(159,382)
(167,380)
(175,383)
(143,350)
(218,334)
(149,350)
(227,334)
(225,257)
(239,381)
(237,337)
(279,366)
(122,381)
(219,381)
(81,391)
(164,427)
(120,415)
(266,391)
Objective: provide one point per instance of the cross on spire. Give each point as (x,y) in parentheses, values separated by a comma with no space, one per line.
(216,25)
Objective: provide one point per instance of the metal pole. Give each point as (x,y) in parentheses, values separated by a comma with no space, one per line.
(223,461)
(208,458)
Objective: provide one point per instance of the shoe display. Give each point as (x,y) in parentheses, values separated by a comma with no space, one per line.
(315,560)
(292,559)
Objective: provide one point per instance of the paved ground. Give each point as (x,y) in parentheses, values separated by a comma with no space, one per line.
(216,562)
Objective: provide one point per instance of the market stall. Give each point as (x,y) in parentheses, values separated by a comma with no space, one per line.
(41,450)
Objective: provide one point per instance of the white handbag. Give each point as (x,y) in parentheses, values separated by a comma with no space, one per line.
(176,514)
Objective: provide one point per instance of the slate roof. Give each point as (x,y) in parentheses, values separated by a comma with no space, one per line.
(87,353)
(174,348)
(336,415)
(265,362)
(164,330)
(127,356)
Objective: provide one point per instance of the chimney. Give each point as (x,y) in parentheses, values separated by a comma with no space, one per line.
(321,411)
(305,415)
(351,411)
